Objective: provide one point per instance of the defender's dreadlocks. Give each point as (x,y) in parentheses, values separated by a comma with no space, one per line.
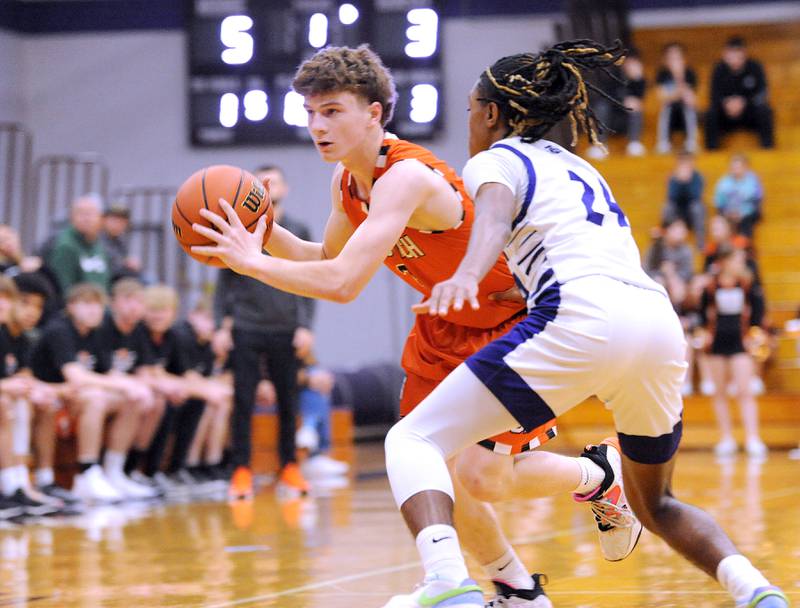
(535,91)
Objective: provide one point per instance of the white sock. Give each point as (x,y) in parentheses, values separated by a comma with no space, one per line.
(510,570)
(44,477)
(592,476)
(23,477)
(9,482)
(114,462)
(441,553)
(739,577)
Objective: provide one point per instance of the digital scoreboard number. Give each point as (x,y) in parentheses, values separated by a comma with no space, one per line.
(243,55)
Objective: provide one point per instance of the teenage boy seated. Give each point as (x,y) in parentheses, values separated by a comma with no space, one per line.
(72,352)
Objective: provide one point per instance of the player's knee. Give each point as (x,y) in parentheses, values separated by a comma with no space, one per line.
(657,513)
(484,483)
(396,438)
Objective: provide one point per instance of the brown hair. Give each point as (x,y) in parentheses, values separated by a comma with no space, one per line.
(127,287)
(8,288)
(359,71)
(86,292)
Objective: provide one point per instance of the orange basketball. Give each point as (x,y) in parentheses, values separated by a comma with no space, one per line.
(248,197)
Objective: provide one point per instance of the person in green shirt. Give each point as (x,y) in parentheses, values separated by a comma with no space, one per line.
(77,254)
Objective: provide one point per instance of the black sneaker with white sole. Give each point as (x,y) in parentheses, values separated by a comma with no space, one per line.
(10,509)
(32,507)
(508,597)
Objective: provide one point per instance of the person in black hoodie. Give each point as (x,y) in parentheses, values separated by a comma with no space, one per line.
(739,97)
(259,321)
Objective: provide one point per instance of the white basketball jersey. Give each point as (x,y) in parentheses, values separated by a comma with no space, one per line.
(567,224)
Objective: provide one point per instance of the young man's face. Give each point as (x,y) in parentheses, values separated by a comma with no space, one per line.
(87,313)
(735,57)
(159,318)
(28,310)
(203,325)
(115,225)
(339,123)
(128,308)
(479,134)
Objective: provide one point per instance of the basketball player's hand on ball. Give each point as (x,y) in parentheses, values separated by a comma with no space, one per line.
(235,246)
(448,294)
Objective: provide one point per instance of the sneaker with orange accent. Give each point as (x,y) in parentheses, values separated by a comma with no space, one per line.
(619,529)
(241,487)
(291,482)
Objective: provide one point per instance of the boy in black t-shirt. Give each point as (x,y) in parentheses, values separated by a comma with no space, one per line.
(71,351)
(125,336)
(202,430)
(33,408)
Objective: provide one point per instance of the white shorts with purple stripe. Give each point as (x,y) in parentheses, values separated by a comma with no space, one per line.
(595,336)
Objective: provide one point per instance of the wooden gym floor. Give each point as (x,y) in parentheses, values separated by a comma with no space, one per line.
(348,548)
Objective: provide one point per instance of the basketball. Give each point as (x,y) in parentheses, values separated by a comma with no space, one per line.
(248,197)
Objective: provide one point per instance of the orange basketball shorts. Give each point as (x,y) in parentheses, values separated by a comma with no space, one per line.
(434,348)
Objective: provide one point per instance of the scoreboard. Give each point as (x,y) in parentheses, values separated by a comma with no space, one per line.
(243,55)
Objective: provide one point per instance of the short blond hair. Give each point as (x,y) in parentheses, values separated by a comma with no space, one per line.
(127,287)
(161,296)
(340,68)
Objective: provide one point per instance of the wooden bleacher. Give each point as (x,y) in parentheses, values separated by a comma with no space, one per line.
(639,186)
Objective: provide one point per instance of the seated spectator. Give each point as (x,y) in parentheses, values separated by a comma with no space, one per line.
(314,435)
(670,256)
(77,255)
(685,197)
(677,86)
(617,119)
(125,338)
(35,414)
(732,304)
(738,196)
(116,241)
(722,232)
(739,97)
(11,255)
(202,423)
(71,352)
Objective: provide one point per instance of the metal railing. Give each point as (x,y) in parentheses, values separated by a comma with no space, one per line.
(16,149)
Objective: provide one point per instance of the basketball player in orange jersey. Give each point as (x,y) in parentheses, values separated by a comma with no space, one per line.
(389,195)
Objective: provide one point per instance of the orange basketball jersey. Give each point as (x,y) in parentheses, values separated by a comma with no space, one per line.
(423,258)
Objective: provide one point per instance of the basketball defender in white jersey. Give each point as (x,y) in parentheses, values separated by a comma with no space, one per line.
(597,325)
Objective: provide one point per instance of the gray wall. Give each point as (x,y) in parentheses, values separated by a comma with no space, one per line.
(122,95)
(10,76)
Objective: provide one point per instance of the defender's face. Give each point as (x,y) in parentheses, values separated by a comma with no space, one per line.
(339,123)
(479,133)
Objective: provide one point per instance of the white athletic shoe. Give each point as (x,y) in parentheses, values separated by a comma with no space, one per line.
(306,438)
(435,593)
(726,447)
(129,488)
(92,486)
(618,528)
(321,466)
(635,148)
(756,448)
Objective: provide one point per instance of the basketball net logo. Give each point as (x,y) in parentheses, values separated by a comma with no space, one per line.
(255,197)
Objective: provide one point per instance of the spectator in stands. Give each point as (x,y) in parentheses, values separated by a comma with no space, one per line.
(677,86)
(618,120)
(314,435)
(71,351)
(260,321)
(35,415)
(739,97)
(77,255)
(738,195)
(194,336)
(732,303)
(721,232)
(165,377)
(670,257)
(685,197)
(204,460)
(12,257)
(116,241)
